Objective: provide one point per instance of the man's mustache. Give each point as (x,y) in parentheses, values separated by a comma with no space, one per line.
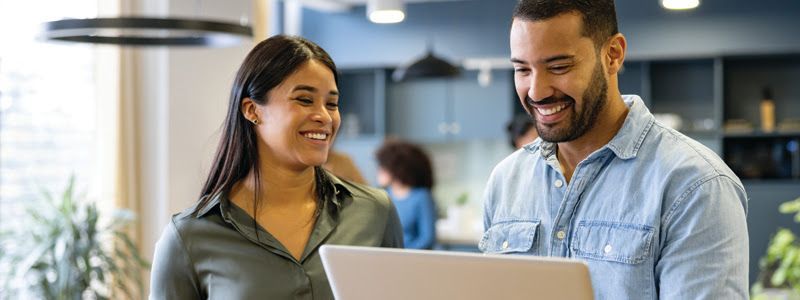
(548,100)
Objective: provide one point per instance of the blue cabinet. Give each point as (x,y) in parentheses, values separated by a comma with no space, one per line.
(441,110)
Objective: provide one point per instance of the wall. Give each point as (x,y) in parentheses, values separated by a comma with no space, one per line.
(479,28)
(182,101)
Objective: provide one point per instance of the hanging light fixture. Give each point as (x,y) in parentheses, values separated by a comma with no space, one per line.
(140,31)
(429,66)
(386,11)
(680,4)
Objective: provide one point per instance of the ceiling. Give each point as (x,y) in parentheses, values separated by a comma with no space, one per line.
(625,8)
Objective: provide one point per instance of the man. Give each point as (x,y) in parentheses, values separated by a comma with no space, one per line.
(653,213)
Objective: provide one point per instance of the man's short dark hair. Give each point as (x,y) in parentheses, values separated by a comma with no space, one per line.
(599,16)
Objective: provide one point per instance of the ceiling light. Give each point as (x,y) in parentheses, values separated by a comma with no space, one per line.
(385,11)
(429,66)
(680,4)
(139,31)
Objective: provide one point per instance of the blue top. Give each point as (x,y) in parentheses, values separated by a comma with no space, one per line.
(655,214)
(418,217)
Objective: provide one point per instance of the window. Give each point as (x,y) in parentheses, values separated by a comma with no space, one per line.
(47,105)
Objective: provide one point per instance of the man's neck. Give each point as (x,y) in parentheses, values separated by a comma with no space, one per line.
(608,124)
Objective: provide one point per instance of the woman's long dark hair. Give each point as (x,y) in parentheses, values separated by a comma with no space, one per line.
(265,67)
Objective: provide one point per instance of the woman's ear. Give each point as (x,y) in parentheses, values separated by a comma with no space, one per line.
(615,53)
(250,110)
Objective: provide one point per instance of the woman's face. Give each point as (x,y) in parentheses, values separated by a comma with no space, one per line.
(298,123)
(384,178)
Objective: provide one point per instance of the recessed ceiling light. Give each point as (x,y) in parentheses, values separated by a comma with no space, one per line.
(680,4)
(385,11)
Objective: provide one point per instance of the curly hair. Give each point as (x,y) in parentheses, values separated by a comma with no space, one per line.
(406,162)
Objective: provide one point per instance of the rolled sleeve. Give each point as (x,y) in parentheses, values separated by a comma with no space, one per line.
(705,253)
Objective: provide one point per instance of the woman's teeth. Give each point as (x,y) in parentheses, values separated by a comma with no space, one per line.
(317,136)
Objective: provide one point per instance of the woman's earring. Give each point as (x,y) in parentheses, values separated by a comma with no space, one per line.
(255,121)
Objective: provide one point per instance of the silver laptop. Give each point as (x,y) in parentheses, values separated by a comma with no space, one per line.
(380,273)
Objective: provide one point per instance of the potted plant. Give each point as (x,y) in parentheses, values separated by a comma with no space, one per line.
(780,267)
(66,250)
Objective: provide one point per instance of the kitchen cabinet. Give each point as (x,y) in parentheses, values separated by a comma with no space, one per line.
(441,110)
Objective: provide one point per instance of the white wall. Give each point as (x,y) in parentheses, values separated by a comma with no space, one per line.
(183,95)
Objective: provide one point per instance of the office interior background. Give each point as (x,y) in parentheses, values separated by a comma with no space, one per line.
(137,126)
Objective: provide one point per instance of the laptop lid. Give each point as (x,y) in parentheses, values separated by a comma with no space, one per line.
(381,273)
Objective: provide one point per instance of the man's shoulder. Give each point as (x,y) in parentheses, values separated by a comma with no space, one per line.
(675,152)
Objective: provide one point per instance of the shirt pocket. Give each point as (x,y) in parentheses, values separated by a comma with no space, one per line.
(510,237)
(613,241)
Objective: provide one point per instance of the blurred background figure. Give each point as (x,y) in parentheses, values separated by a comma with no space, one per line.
(404,169)
(521,131)
(341,165)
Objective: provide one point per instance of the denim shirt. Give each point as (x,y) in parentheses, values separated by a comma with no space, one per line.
(655,214)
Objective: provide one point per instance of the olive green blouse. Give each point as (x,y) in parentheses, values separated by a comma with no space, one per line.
(217,255)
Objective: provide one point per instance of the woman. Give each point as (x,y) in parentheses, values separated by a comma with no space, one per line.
(267,205)
(405,171)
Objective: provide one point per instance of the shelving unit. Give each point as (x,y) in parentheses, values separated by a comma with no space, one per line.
(706,93)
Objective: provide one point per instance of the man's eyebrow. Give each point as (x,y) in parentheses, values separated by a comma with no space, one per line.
(548,60)
(518,61)
(545,60)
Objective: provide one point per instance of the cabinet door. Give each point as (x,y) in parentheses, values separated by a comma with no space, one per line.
(417,109)
(481,112)
(361,103)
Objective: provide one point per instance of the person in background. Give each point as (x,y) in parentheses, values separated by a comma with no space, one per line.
(405,170)
(341,165)
(267,205)
(654,214)
(521,131)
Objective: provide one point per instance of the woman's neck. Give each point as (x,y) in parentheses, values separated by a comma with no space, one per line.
(278,186)
(400,190)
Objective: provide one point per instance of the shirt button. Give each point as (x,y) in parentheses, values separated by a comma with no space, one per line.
(505,245)
(607,249)
(559,183)
(561,235)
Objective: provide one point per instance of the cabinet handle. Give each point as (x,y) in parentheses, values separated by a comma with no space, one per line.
(455,128)
(443,128)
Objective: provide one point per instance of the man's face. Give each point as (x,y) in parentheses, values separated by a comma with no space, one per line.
(559,77)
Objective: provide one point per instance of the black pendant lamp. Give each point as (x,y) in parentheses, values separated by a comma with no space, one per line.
(428,66)
(142,31)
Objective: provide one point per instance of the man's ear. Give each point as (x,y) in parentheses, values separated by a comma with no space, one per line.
(615,53)
(250,110)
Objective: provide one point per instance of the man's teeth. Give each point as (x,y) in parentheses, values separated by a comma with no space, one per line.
(317,136)
(550,111)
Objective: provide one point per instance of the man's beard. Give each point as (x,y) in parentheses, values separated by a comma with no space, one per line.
(594,100)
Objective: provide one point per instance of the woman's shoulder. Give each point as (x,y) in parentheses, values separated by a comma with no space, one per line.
(193,221)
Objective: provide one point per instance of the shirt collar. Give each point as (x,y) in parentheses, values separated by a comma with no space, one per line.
(628,140)
(340,192)
(630,137)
